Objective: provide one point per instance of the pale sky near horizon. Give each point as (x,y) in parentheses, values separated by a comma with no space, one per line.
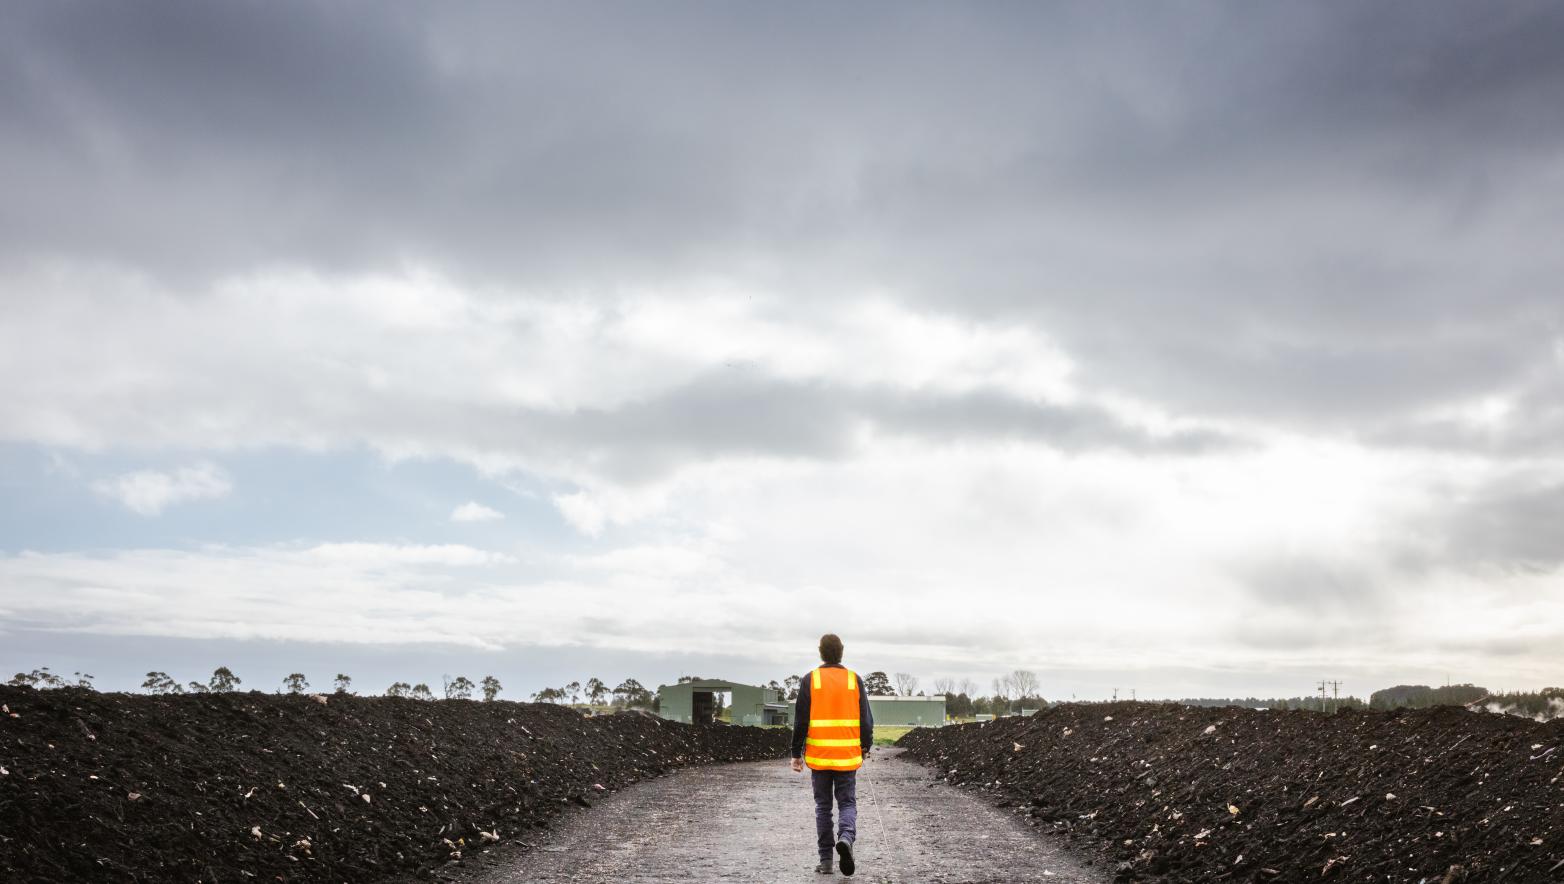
(1204,348)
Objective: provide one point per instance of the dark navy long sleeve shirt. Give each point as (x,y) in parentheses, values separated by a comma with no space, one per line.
(801,714)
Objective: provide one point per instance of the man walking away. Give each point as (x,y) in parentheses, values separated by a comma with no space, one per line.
(833,730)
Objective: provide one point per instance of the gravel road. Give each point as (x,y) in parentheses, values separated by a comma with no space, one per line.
(755,822)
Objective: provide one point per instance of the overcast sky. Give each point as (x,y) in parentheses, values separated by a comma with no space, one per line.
(1201,348)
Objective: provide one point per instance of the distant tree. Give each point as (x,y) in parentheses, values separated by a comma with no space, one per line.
(1024,685)
(38,678)
(296,683)
(999,704)
(686,679)
(878,684)
(968,687)
(644,698)
(421,692)
(777,688)
(459,689)
(906,683)
(792,682)
(959,706)
(223,680)
(160,683)
(84,680)
(341,683)
(547,695)
(632,695)
(573,691)
(198,688)
(596,691)
(491,688)
(945,686)
(399,689)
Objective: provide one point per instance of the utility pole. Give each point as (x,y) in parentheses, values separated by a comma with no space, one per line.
(1132,694)
(1335,696)
(1322,695)
(1115,695)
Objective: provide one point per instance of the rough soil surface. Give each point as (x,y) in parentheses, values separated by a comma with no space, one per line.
(239,787)
(755,822)
(1179,794)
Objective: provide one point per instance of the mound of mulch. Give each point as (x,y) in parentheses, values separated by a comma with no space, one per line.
(1172,793)
(237,787)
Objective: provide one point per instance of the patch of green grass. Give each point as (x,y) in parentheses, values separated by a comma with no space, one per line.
(888,734)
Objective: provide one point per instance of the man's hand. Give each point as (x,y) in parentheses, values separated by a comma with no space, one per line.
(798,765)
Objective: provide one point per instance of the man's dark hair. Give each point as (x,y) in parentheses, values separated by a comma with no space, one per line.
(830,648)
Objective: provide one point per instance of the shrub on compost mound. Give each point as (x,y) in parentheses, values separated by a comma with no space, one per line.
(1181,794)
(219,787)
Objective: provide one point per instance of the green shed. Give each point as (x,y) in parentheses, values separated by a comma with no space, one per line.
(694,702)
(908,711)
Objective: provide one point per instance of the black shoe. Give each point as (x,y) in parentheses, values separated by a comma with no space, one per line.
(844,856)
(824,868)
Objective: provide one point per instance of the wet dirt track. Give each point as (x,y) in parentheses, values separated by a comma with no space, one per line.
(755,822)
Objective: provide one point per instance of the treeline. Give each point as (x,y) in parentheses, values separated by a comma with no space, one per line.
(1421,696)
(629,694)
(1284,703)
(1544,705)
(1008,694)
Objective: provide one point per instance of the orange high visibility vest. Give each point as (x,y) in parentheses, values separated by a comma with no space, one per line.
(832,742)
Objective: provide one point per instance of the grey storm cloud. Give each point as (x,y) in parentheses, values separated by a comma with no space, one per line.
(1294,582)
(1531,426)
(1516,524)
(717,417)
(1316,215)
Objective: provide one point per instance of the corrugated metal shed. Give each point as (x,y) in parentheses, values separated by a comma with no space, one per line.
(693,701)
(908,711)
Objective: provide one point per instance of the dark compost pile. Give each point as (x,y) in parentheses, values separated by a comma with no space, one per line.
(249,786)
(1171,793)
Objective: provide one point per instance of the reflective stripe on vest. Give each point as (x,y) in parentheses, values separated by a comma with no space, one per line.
(834,763)
(834,738)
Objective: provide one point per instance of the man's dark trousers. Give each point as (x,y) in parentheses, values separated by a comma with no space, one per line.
(844,784)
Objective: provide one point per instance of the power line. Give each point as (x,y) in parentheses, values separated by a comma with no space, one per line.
(1335,695)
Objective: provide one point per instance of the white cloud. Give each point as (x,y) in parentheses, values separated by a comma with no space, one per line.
(1081,555)
(582,512)
(962,562)
(473,511)
(381,554)
(590,510)
(149,492)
